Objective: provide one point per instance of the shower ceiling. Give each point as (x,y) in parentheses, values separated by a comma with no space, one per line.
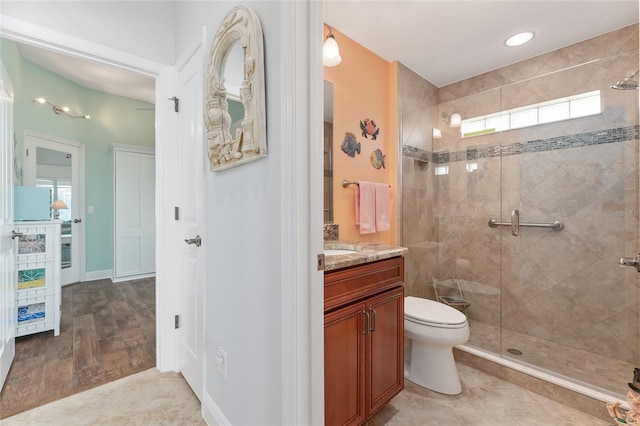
(449,41)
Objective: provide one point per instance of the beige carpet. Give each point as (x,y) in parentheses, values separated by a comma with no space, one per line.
(146,398)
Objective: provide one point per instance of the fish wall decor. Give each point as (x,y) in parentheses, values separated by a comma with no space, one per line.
(377,159)
(350,146)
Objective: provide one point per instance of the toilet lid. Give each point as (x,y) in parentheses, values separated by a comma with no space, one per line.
(429,311)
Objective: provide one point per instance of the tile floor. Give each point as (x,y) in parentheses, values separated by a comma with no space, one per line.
(165,399)
(592,370)
(107,332)
(146,398)
(485,401)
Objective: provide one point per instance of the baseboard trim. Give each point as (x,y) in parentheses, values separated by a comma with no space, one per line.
(212,414)
(132,277)
(98,275)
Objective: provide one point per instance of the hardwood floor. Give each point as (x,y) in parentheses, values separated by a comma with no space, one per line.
(107,331)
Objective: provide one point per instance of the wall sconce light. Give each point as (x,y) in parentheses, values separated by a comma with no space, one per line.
(330,50)
(61,109)
(437,133)
(453,120)
(56,206)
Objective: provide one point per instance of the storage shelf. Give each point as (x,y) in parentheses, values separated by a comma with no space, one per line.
(38,289)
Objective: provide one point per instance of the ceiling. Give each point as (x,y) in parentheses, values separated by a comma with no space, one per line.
(443,41)
(449,41)
(93,75)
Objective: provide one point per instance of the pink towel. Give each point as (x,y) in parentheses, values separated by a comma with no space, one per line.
(382,206)
(366,207)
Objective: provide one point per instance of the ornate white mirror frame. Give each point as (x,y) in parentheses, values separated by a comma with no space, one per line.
(249,142)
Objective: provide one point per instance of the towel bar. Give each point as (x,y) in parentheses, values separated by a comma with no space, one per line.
(346,183)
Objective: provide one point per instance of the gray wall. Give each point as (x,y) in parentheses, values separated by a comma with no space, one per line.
(243,295)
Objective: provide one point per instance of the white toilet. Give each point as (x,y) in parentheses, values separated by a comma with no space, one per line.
(433,329)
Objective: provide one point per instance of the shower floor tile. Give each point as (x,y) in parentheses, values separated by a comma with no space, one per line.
(595,371)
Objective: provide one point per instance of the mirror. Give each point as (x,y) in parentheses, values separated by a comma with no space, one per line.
(235,92)
(233,77)
(328,152)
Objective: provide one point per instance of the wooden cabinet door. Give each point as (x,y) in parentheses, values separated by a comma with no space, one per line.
(385,346)
(344,360)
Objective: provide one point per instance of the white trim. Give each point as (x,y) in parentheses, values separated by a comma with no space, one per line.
(26,32)
(132,277)
(99,275)
(542,375)
(316,206)
(140,149)
(166,302)
(212,414)
(79,189)
(301,189)
(17,29)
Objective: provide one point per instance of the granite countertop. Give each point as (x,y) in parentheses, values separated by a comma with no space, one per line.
(364,253)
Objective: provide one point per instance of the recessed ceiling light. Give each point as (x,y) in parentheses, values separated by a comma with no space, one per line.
(519,39)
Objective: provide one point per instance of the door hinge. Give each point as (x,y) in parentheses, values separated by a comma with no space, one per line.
(321,262)
(176,103)
(176,213)
(177,322)
(27,152)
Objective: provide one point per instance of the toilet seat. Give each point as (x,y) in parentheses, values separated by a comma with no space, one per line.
(433,314)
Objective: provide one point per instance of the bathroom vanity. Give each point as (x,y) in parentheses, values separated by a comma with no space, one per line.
(363,331)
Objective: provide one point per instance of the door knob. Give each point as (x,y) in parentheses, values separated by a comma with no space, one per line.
(197,241)
(631,261)
(15,235)
(77,220)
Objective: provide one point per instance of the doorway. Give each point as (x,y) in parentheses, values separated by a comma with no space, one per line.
(58,164)
(50,151)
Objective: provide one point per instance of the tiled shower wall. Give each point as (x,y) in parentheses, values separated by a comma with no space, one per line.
(564,286)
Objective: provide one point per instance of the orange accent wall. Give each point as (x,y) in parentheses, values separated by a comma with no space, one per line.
(364,86)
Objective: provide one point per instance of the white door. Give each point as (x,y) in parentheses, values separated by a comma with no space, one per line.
(8,270)
(59,164)
(190,219)
(135,224)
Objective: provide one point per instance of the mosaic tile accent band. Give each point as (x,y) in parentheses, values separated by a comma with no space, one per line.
(621,134)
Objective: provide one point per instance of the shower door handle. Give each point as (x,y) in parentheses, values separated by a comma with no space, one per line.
(515,222)
(630,261)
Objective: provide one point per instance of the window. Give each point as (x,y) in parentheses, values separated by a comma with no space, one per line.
(61,190)
(442,170)
(546,112)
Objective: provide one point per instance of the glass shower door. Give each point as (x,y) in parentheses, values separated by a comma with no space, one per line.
(569,177)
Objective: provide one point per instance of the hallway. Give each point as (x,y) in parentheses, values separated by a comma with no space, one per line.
(107,332)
